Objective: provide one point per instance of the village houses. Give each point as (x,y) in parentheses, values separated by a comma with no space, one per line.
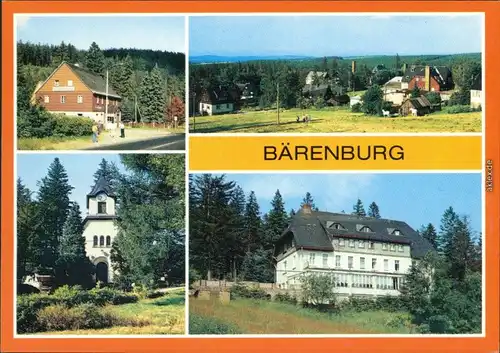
(74,91)
(368,257)
(476,93)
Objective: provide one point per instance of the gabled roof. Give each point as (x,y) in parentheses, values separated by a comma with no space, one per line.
(94,82)
(316,74)
(420,102)
(101,186)
(218,95)
(310,231)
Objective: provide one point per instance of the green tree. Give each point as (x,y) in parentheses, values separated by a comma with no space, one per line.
(434,98)
(373,210)
(447,229)
(459,250)
(253,223)
(372,101)
(415,92)
(152,97)
(53,202)
(109,171)
(318,289)
(277,219)
(359,209)
(257,266)
(429,233)
(150,240)
(94,59)
(74,265)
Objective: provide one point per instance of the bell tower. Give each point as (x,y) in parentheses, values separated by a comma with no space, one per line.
(100,228)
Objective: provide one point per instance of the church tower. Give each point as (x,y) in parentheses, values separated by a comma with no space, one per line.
(100,229)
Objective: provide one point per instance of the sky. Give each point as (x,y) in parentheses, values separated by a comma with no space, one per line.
(31,168)
(166,33)
(334,35)
(416,199)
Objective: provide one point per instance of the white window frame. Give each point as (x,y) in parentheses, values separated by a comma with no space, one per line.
(337,260)
(46,99)
(362,263)
(63,99)
(341,242)
(79,99)
(70,83)
(374,263)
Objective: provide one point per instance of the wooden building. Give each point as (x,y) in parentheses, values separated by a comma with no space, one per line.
(75,91)
(420,104)
(217,100)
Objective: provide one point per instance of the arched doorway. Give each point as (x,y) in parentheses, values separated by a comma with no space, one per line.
(102,272)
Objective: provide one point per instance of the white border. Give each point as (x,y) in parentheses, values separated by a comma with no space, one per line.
(186,16)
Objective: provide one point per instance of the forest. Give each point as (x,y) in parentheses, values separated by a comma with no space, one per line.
(230,239)
(151,83)
(290,75)
(50,226)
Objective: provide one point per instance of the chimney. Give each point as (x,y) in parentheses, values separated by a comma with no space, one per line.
(306,208)
(427,78)
(353,66)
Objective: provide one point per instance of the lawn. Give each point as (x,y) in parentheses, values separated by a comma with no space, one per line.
(334,120)
(164,315)
(247,316)
(76,143)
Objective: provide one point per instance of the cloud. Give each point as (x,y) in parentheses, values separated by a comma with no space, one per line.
(332,191)
(22,20)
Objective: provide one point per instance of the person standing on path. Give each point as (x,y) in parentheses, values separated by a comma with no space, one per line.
(95,132)
(122,130)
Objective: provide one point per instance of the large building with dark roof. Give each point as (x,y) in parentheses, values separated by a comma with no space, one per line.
(74,91)
(367,256)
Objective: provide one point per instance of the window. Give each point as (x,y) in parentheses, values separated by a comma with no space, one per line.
(384,246)
(56,83)
(349,262)
(337,260)
(63,99)
(79,99)
(374,263)
(337,226)
(395,284)
(366,230)
(95,240)
(70,83)
(396,265)
(397,232)
(108,241)
(312,257)
(400,248)
(362,263)
(351,243)
(361,244)
(101,207)
(341,242)
(371,245)
(386,265)
(46,99)
(325,260)
(101,240)
(393,247)
(97,100)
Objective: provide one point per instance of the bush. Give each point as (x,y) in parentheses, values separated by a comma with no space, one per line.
(285,298)
(209,326)
(86,316)
(154,294)
(36,122)
(356,108)
(241,291)
(27,309)
(457,109)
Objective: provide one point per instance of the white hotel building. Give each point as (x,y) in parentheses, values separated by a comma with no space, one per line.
(368,257)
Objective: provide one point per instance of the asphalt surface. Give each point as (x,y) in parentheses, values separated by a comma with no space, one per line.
(174,142)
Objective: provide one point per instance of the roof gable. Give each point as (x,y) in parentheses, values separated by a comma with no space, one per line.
(101,186)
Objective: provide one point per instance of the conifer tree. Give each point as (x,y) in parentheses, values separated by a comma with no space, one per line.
(448,225)
(373,211)
(152,97)
(74,265)
(308,200)
(429,233)
(253,223)
(53,202)
(277,219)
(109,171)
(94,60)
(359,209)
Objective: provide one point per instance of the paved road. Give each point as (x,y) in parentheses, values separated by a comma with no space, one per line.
(175,142)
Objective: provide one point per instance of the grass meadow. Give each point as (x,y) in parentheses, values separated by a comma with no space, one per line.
(250,316)
(334,120)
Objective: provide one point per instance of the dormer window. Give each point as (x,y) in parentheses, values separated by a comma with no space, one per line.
(397,232)
(337,226)
(365,230)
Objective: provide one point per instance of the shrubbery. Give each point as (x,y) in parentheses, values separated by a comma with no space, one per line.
(28,306)
(241,291)
(386,303)
(285,298)
(356,108)
(36,122)
(457,109)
